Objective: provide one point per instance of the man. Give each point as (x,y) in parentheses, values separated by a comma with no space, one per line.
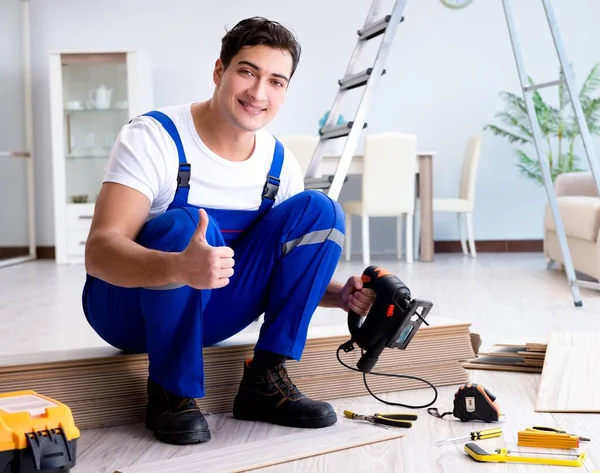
(190,192)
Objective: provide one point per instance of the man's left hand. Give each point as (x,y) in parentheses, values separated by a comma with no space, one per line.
(355,297)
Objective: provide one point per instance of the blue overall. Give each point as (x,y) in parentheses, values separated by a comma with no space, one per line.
(285,257)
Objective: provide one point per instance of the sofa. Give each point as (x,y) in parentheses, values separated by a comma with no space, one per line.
(579,207)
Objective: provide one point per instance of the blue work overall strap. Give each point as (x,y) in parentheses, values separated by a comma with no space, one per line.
(184,173)
(272,185)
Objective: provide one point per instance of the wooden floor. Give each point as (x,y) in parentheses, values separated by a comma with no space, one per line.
(507,297)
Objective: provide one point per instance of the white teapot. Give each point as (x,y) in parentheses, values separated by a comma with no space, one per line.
(100,98)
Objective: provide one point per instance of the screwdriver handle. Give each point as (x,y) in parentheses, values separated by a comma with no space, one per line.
(486,434)
(479,435)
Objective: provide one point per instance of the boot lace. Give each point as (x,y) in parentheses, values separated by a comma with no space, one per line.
(184,403)
(284,382)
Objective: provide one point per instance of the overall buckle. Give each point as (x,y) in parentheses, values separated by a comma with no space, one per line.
(271,187)
(184,175)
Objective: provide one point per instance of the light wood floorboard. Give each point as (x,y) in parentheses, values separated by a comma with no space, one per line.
(106,450)
(507,297)
(274,451)
(569,380)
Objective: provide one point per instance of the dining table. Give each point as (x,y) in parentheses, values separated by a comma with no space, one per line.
(424,191)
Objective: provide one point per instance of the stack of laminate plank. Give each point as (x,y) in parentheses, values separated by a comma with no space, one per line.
(525,358)
(104,387)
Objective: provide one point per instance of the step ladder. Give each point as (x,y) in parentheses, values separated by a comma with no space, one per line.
(376,26)
(528,90)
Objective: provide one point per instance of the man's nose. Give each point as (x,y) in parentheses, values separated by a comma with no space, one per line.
(258,91)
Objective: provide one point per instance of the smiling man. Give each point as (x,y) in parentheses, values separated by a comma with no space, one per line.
(201,226)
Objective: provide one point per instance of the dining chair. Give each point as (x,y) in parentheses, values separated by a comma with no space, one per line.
(388,189)
(464,204)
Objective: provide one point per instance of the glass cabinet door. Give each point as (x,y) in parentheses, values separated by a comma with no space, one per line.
(95,107)
(92,96)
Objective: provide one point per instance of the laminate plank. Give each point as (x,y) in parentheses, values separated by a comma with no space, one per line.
(569,377)
(250,456)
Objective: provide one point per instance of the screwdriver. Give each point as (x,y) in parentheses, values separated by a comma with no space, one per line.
(477,435)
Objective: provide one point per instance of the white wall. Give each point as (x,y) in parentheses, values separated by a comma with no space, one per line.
(442,83)
(13,190)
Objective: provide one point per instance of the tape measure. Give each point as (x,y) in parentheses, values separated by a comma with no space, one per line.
(37,433)
(472,402)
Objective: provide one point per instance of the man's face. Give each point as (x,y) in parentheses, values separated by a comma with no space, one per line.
(251,90)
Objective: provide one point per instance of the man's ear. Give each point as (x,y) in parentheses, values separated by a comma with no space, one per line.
(218,71)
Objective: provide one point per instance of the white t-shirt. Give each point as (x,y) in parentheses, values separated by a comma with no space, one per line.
(145,158)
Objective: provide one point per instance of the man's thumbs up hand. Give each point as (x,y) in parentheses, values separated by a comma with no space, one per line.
(205,266)
(200,233)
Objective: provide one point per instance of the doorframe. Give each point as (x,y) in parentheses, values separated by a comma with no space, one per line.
(28,154)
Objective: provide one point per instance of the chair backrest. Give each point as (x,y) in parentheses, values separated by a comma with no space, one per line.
(468,176)
(389,174)
(301,146)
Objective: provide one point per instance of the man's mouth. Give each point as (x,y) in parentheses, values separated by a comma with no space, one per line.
(251,108)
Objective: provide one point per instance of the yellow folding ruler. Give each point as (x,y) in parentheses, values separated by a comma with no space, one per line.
(503,455)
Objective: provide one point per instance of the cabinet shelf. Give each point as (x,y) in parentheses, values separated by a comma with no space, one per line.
(87,156)
(69,111)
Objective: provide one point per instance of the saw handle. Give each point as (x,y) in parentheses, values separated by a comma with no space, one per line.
(355,320)
(384,283)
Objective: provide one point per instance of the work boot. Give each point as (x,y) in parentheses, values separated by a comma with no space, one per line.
(174,419)
(268,394)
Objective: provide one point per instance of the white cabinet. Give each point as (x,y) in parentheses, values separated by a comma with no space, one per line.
(92,95)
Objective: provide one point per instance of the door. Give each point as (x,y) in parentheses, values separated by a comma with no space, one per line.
(17,232)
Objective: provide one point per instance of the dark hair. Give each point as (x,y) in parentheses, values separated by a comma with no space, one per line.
(259,31)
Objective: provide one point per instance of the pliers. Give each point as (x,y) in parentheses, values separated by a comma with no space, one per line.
(556,431)
(393,420)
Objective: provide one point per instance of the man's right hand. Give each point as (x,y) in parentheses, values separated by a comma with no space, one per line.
(203,266)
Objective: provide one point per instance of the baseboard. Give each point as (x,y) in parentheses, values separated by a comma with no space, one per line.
(46,252)
(7,252)
(43,252)
(492,246)
(450,246)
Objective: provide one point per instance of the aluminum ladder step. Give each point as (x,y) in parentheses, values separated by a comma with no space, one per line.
(337,131)
(356,80)
(319,182)
(375,29)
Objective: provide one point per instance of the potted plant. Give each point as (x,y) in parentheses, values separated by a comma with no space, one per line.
(558,126)
(337,145)
(340,119)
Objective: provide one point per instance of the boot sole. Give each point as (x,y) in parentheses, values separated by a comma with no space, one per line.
(180,438)
(318,423)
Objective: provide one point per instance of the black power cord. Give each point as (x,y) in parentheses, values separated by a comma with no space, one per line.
(337,354)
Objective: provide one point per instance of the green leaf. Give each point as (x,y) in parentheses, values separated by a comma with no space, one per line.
(511,137)
(515,105)
(510,120)
(591,83)
(530,168)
